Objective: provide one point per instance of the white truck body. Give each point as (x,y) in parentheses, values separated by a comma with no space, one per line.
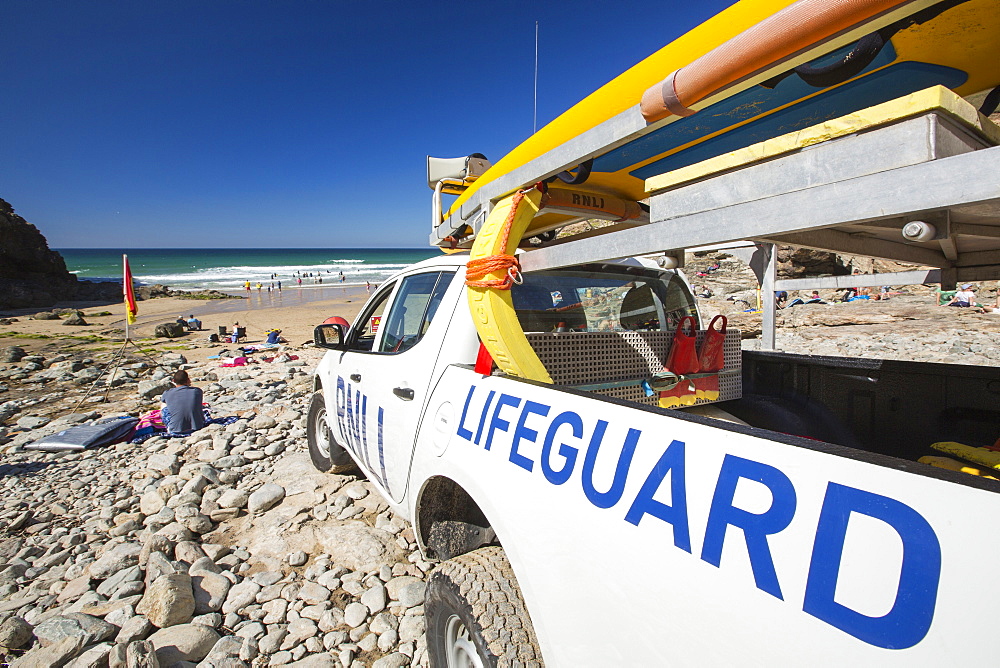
(641,536)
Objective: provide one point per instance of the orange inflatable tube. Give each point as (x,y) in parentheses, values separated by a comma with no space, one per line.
(780,36)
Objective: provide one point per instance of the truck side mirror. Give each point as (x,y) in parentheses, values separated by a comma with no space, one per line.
(331,337)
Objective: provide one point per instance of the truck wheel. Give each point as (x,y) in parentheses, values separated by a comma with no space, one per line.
(475,614)
(327,455)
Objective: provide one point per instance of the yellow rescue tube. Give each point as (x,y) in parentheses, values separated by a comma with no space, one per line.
(954,465)
(975,455)
(492,309)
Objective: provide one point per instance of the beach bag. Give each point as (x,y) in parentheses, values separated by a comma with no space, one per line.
(711,357)
(682,358)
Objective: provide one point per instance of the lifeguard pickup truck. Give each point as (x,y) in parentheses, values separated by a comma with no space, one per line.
(598,494)
(590,530)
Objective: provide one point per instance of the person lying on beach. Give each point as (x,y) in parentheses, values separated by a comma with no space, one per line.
(181,411)
(993,308)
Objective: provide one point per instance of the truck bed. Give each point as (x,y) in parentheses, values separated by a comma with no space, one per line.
(886,407)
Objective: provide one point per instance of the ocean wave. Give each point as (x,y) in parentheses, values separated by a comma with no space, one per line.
(234,277)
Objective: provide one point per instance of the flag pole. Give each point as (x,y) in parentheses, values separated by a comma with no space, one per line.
(125,292)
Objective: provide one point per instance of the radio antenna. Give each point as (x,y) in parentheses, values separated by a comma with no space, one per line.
(534,113)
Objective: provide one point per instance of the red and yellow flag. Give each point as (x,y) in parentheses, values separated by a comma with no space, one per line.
(130,306)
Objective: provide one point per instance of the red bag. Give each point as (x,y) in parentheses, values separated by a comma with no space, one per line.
(683,359)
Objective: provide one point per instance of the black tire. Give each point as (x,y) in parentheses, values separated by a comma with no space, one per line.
(476,616)
(327,455)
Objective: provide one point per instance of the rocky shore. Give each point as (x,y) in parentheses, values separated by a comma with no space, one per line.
(225,548)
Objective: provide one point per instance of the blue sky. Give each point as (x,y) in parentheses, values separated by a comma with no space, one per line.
(300,123)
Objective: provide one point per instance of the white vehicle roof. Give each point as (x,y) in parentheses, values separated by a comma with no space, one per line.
(460,259)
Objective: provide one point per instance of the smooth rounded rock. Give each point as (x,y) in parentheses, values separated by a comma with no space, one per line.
(117,558)
(74,624)
(183,642)
(240,596)
(265,498)
(14,633)
(355,614)
(233,498)
(168,601)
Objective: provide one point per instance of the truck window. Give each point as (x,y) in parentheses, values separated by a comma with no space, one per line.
(413,310)
(606,298)
(366,327)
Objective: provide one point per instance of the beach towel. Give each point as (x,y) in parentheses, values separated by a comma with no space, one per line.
(152,425)
(85,436)
(149,424)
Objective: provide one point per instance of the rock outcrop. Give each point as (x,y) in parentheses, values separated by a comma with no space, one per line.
(31,274)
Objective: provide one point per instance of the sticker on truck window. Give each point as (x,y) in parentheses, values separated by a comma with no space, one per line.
(375,322)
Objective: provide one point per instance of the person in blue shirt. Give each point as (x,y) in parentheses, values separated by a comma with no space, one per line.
(274,336)
(182,410)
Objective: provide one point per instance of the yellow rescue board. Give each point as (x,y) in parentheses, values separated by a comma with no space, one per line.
(958,48)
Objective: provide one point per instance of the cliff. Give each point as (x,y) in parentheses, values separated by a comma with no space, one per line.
(31,274)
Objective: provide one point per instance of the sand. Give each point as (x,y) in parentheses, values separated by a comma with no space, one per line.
(296,311)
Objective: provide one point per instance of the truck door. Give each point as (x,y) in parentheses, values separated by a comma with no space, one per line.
(387,375)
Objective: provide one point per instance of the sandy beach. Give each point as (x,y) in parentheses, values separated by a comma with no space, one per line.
(296,311)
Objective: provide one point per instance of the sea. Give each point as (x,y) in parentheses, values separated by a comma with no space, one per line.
(228,270)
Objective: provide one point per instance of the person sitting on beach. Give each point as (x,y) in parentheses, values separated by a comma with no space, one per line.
(963,298)
(193,323)
(182,411)
(274,336)
(234,337)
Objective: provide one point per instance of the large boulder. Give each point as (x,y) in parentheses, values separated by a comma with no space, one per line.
(12,354)
(148,389)
(170,330)
(75,319)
